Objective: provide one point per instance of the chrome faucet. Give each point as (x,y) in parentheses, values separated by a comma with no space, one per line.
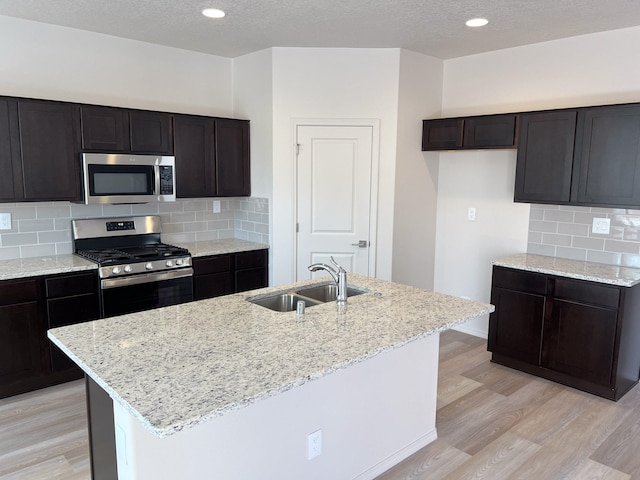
(339,276)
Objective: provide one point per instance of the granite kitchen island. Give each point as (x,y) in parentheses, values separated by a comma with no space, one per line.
(224,388)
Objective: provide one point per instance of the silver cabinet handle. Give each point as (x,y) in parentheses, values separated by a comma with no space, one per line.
(361,244)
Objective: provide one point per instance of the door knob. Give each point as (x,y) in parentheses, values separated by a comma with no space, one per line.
(361,244)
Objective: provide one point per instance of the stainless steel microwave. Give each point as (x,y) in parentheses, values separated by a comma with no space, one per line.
(127,178)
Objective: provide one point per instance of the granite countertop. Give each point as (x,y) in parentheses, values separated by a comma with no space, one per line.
(38,266)
(220,247)
(595,272)
(175,367)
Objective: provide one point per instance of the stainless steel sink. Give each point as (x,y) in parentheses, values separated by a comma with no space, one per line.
(283,302)
(312,295)
(327,293)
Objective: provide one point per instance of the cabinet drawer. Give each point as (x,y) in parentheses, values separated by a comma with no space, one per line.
(519,280)
(257,258)
(212,264)
(68,285)
(587,292)
(19,291)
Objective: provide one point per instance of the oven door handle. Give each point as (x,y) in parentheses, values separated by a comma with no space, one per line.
(145,278)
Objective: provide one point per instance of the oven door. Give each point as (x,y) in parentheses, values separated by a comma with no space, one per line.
(146,291)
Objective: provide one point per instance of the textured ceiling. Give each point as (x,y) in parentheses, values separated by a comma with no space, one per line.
(433,27)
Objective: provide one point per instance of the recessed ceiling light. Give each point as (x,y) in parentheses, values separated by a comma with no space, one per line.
(477,22)
(213,13)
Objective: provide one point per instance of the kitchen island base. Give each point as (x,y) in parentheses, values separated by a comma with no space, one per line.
(372,415)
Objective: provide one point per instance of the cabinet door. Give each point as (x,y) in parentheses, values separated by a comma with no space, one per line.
(151,132)
(608,172)
(195,167)
(545,156)
(515,327)
(490,131)
(11,176)
(104,129)
(442,134)
(212,276)
(232,158)
(22,347)
(579,340)
(20,344)
(251,270)
(50,140)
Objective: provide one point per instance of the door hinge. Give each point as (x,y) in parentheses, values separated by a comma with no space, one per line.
(297,149)
(297,228)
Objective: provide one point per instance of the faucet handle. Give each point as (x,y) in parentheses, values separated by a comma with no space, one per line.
(336,264)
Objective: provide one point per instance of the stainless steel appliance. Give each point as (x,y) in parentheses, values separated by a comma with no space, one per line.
(125,178)
(137,271)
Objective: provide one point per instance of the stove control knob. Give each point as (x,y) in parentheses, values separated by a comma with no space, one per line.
(149,266)
(128,268)
(179,261)
(169,263)
(115,270)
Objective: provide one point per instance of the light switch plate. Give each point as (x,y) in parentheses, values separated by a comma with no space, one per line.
(5,221)
(471,214)
(601,226)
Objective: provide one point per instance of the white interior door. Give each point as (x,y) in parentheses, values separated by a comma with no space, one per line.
(334,197)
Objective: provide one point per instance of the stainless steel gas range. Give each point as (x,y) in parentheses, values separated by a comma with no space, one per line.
(137,271)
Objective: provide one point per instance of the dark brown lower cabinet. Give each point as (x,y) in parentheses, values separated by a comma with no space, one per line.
(28,308)
(579,333)
(212,276)
(22,347)
(251,270)
(217,275)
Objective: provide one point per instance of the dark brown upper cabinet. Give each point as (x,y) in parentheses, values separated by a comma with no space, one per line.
(194,139)
(545,156)
(10,166)
(587,156)
(487,131)
(607,160)
(115,130)
(233,174)
(212,157)
(49,147)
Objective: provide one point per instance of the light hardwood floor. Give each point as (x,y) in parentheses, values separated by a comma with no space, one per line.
(493,423)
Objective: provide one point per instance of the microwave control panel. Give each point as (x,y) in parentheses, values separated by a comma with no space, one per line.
(166,180)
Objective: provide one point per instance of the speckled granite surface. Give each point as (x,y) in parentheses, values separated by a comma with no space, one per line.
(220,247)
(178,366)
(33,267)
(595,272)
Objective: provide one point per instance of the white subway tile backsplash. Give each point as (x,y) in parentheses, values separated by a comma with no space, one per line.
(555,239)
(43,229)
(539,226)
(558,216)
(551,225)
(588,243)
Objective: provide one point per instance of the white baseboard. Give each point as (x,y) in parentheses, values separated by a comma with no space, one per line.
(397,457)
(476,332)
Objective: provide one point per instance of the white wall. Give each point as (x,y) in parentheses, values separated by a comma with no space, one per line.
(326,83)
(464,249)
(587,70)
(253,99)
(59,63)
(414,228)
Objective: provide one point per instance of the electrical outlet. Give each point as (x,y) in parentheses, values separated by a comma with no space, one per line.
(5,221)
(471,214)
(601,225)
(216,206)
(314,444)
